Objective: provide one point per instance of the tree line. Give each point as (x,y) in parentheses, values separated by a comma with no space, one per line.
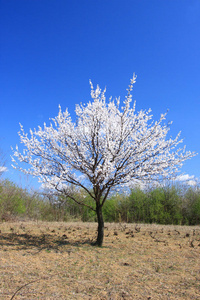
(172,204)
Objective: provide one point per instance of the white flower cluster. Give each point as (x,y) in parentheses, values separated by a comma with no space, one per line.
(108,145)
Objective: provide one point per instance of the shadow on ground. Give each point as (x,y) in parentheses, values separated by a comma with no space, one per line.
(45,241)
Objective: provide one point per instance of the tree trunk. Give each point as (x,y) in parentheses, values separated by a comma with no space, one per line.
(100,235)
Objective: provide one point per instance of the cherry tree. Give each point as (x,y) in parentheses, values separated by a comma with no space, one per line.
(109,145)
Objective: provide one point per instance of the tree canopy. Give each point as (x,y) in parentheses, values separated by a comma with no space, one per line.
(108,145)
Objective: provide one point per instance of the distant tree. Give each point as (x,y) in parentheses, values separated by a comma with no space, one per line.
(108,145)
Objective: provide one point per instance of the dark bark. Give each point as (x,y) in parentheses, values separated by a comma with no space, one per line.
(100,234)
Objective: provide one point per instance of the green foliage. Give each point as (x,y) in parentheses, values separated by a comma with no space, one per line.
(138,202)
(191,209)
(167,205)
(16,202)
(111,209)
(11,199)
(88,215)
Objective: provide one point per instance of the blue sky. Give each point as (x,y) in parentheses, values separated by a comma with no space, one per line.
(50,49)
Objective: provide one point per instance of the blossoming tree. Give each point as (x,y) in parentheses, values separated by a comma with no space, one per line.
(109,145)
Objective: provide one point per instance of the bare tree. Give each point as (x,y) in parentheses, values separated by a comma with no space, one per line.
(109,145)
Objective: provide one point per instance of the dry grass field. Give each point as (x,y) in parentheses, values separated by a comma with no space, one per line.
(57,261)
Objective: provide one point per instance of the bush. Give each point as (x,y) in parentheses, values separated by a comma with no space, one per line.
(191,206)
(167,205)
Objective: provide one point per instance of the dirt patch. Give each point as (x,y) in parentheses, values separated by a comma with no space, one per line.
(57,261)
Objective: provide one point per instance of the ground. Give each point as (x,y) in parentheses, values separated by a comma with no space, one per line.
(40,260)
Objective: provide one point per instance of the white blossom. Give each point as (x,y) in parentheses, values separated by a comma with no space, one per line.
(108,145)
